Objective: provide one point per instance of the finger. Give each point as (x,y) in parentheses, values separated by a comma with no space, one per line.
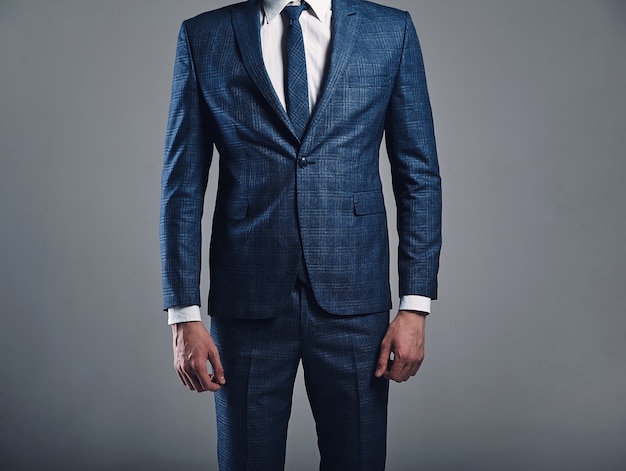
(395,372)
(405,370)
(418,362)
(383,359)
(416,367)
(218,370)
(405,373)
(387,372)
(180,370)
(191,369)
(211,385)
(189,379)
(402,368)
(181,377)
(188,382)
(206,380)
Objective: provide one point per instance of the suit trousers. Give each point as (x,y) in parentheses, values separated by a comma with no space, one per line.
(338,354)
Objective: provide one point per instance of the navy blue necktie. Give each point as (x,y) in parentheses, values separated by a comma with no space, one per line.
(297,98)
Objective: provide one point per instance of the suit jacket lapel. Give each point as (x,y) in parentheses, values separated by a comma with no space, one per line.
(345,26)
(246,24)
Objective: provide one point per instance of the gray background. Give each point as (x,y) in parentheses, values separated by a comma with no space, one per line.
(525,359)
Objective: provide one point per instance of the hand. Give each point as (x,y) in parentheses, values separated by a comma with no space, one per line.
(405,339)
(193,346)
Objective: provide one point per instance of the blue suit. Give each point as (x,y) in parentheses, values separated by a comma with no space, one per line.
(287,205)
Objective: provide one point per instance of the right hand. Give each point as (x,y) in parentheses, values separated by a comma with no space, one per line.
(193,346)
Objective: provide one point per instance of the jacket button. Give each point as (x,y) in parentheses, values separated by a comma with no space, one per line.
(302,162)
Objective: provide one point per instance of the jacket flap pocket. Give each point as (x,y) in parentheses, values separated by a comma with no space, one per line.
(369,202)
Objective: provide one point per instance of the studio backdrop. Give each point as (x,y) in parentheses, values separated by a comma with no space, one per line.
(525,356)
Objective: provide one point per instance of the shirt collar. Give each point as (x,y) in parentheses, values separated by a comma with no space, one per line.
(272,8)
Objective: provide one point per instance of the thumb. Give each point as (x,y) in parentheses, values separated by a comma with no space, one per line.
(216,363)
(383,359)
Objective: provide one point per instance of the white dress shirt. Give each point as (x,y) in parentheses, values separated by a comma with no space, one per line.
(317,33)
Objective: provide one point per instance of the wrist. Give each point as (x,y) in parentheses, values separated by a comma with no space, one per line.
(183,324)
(412,312)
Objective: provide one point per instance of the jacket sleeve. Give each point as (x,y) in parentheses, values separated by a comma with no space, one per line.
(410,142)
(187,158)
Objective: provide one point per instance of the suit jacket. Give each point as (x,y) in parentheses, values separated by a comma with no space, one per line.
(281,199)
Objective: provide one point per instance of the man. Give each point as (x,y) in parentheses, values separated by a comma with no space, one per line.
(296,99)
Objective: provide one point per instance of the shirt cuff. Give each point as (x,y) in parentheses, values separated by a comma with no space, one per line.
(413,302)
(179,314)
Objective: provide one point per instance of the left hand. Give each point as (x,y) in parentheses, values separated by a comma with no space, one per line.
(405,339)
